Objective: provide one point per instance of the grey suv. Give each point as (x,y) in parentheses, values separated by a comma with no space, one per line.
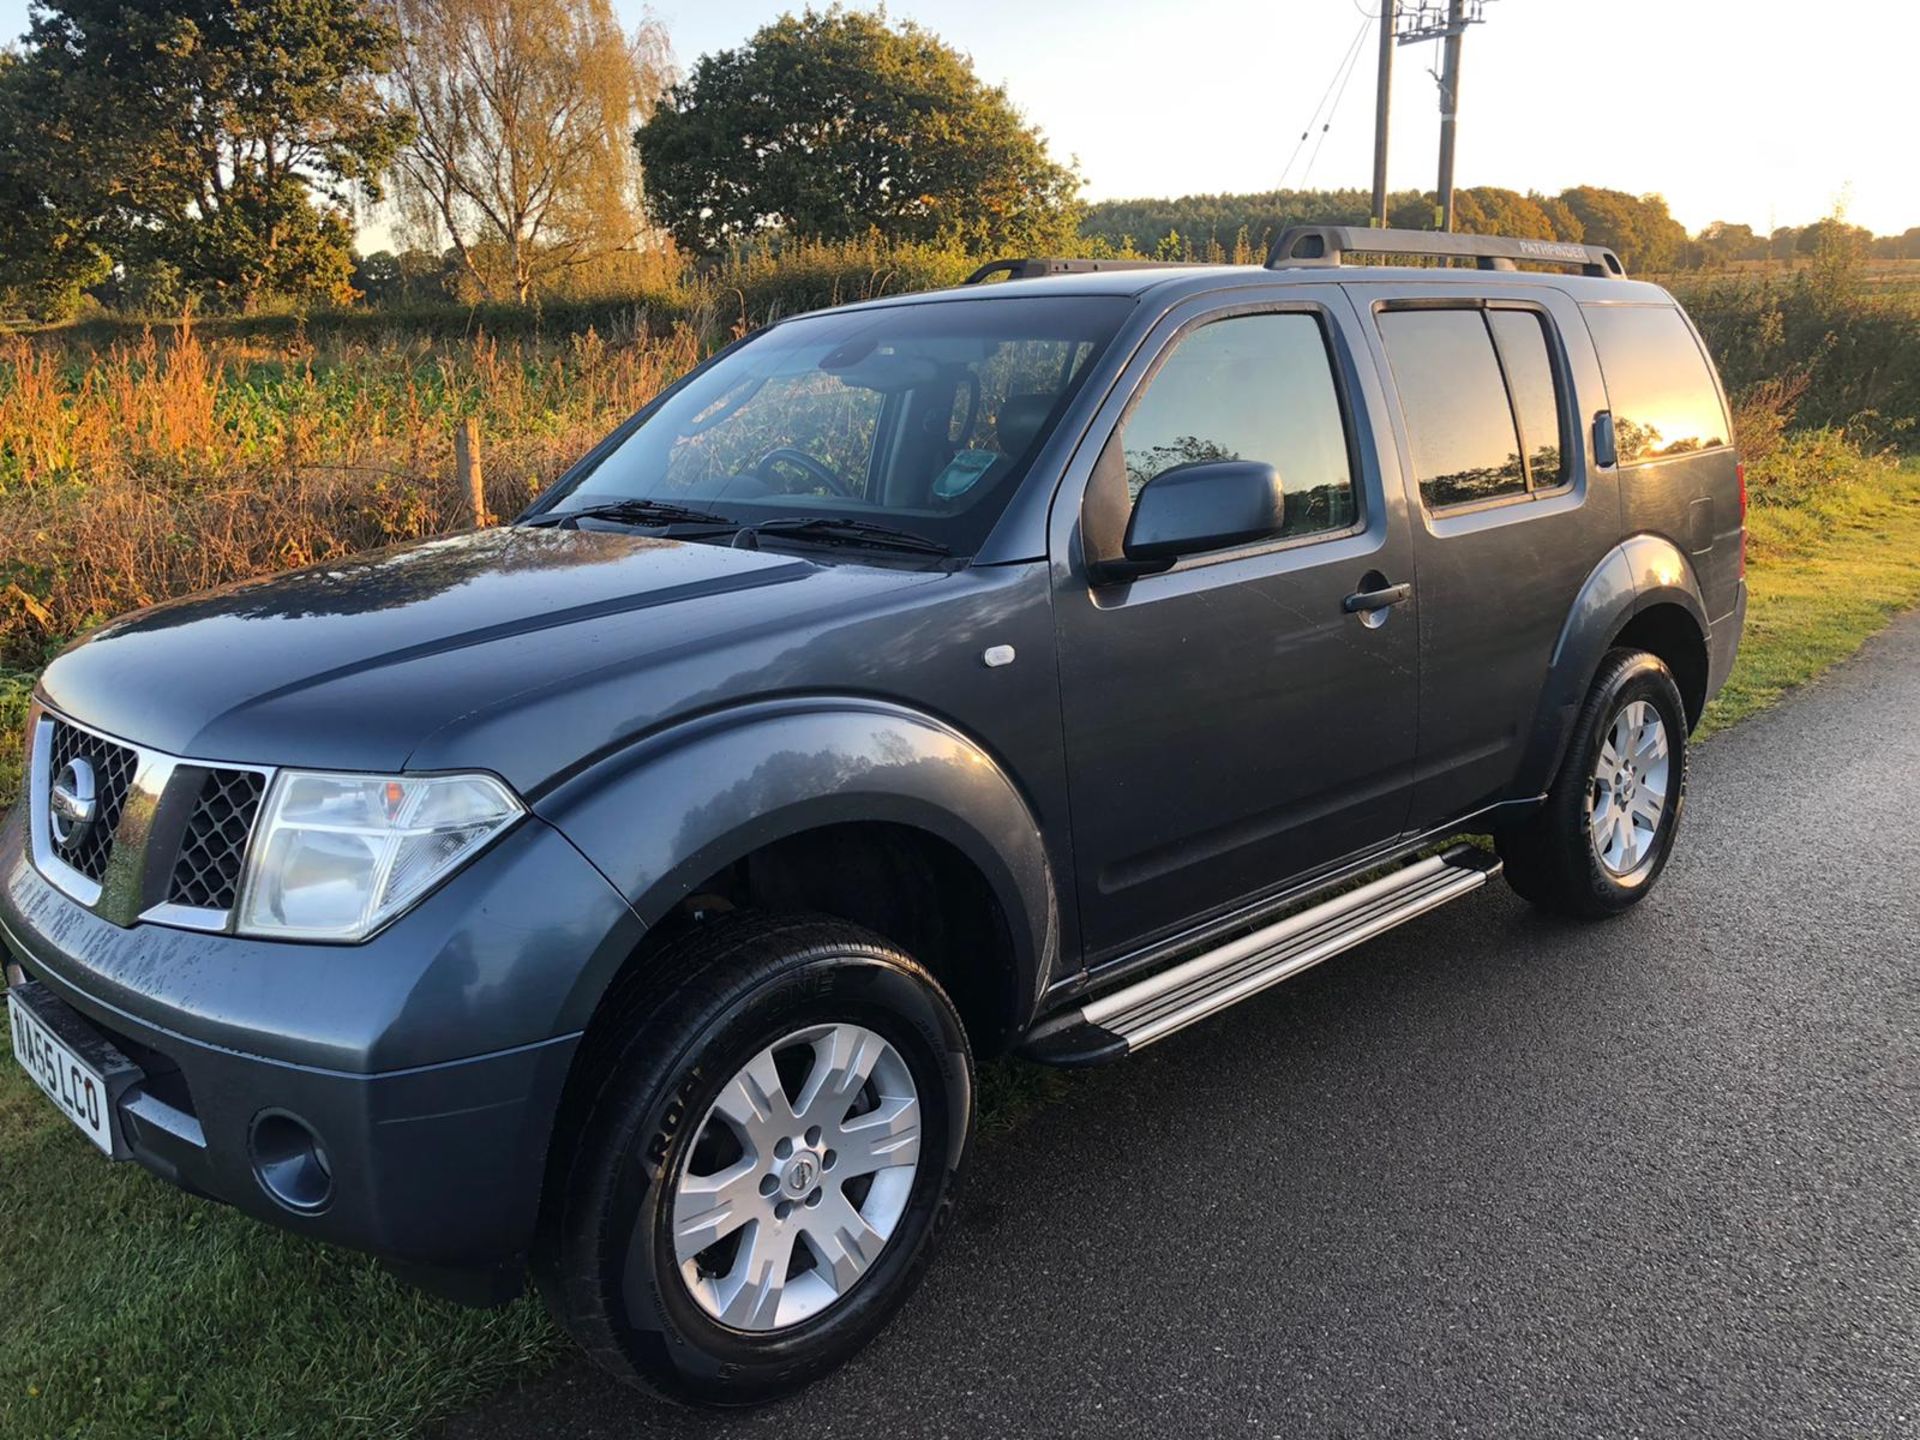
(626,894)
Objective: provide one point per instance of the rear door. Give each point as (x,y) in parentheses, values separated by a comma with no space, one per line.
(1509,517)
(1228,724)
(1679,474)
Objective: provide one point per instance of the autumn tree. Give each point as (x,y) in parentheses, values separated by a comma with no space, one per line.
(1636,228)
(521,159)
(1566,224)
(224,138)
(834,125)
(1490,210)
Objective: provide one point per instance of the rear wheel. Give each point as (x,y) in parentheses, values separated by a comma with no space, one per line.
(758,1161)
(1600,841)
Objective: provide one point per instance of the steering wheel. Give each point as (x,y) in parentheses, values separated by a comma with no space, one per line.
(763,467)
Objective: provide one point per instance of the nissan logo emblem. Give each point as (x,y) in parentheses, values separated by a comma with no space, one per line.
(73,804)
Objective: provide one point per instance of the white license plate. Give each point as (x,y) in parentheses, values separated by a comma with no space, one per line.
(75,1086)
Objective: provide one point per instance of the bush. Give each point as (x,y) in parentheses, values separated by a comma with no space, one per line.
(1853,355)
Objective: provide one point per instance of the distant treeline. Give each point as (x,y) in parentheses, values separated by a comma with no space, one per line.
(1637,227)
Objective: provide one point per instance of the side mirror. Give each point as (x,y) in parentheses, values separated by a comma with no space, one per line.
(1201,506)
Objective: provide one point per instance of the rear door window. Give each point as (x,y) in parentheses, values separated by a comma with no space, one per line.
(1663,395)
(1481,396)
(1525,356)
(1466,445)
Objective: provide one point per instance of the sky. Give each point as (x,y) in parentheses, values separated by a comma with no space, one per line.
(1764,113)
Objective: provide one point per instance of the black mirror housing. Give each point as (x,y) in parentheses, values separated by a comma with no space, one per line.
(1204,505)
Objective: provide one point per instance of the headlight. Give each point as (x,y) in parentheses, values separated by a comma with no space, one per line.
(337,856)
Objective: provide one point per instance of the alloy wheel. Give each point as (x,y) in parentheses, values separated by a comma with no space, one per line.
(797,1178)
(1628,798)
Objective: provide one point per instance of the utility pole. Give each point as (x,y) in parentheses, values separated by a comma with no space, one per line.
(1450,106)
(1382,99)
(1445,21)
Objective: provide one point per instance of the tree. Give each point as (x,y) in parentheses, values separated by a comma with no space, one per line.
(1502,212)
(1725,242)
(1636,228)
(1905,246)
(225,138)
(1566,225)
(521,159)
(47,257)
(1662,240)
(832,125)
(1834,239)
(410,278)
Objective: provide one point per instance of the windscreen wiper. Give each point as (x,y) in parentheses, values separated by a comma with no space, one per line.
(634,511)
(843,530)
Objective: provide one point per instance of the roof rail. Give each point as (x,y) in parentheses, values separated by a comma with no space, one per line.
(1033,267)
(1330,245)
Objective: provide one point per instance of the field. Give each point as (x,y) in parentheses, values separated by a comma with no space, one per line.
(137,465)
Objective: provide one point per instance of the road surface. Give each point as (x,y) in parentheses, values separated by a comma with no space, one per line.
(1493,1174)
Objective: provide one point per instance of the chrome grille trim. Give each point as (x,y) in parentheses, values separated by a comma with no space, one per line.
(136,885)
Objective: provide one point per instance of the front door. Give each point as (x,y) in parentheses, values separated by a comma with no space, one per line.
(1231,724)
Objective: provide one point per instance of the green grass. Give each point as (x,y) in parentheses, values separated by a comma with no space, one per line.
(1827,572)
(130,1310)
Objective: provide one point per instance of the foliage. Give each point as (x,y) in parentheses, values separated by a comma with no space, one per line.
(1199,221)
(1851,355)
(387,281)
(520,158)
(158,469)
(47,257)
(829,126)
(223,137)
(1489,210)
(1638,227)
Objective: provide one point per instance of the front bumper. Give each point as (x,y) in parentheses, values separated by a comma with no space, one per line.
(429,1062)
(437,1168)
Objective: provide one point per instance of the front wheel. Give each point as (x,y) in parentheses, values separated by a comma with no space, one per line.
(1601,839)
(763,1152)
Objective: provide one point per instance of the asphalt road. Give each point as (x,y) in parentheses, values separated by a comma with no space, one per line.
(1491,1175)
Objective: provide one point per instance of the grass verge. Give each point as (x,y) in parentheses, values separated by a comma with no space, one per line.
(129,1310)
(1825,574)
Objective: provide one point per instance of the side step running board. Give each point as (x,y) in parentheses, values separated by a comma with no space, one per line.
(1116,1024)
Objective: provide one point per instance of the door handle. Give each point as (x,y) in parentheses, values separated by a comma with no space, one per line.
(1363,602)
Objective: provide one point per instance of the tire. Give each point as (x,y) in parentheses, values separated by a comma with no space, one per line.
(1565,857)
(653,1126)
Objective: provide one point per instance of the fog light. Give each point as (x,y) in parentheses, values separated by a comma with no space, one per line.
(290,1162)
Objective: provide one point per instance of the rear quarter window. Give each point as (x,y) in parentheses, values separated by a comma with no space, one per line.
(1662,393)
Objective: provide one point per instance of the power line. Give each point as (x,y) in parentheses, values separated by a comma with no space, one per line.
(1353,59)
(1342,66)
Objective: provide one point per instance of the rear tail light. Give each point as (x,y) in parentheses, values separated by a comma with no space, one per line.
(1740,473)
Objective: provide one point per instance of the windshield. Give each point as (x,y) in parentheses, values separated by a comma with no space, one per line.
(921,418)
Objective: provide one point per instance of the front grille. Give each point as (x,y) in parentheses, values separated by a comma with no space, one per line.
(207,873)
(113,767)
